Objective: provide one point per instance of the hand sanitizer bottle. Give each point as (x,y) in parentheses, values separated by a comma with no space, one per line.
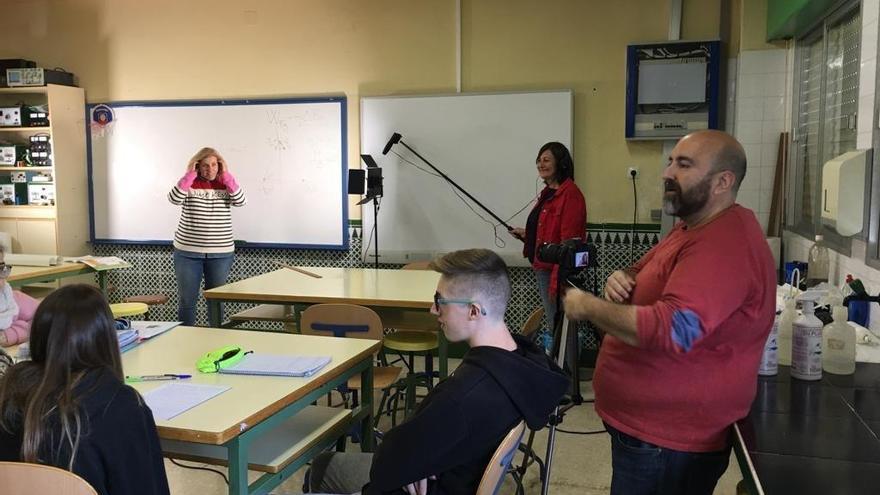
(839,344)
(770,358)
(806,341)
(783,340)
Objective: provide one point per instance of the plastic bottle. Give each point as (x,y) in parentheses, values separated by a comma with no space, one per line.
(817,267)
(839,344)
(806,341)
(770,357)
(783,339)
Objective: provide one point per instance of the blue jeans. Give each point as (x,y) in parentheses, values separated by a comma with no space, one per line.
(641,468)
(188,269)
(548,302)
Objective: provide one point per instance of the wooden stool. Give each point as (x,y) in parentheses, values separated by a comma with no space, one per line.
(412,342)
(128,309)
(148,299)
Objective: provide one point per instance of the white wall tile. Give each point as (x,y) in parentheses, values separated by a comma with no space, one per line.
(749,199)
(749,108)
(770,130)
(774,84)
(749,63)
(869,40)
(751,85)
(769,151)
(775,60)
(773,108)
(768,175)
(867,76)
(753,154)
(870,11)
(866,114)
(749,133)
(751,182)
(863,140)
(764,200)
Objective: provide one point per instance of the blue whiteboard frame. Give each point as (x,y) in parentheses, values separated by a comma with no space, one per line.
(343,109)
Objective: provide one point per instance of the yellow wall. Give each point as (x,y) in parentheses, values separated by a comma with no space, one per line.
(184,49)
(754,26)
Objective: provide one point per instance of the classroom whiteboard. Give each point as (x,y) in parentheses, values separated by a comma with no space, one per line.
(288,155)
(487,143)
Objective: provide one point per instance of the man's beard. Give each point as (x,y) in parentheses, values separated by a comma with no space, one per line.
(685,203)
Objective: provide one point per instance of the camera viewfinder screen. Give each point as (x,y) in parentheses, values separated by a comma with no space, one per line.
(581,258)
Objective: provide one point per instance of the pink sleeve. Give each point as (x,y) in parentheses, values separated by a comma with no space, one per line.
(228,180)
(20,329)
(187,180)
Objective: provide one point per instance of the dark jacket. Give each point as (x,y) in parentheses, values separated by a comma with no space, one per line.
(456,429)
(119,452)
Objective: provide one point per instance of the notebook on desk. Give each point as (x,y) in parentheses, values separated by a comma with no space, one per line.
(279,365)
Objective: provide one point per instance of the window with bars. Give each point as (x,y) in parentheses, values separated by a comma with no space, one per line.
(827,93)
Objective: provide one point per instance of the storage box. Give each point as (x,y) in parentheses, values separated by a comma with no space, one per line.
(41,194)
(7,194)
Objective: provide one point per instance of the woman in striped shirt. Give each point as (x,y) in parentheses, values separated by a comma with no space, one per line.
(203,242)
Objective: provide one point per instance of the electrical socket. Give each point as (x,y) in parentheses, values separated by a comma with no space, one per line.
(632,172)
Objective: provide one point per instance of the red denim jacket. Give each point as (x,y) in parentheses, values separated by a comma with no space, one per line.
(564,216)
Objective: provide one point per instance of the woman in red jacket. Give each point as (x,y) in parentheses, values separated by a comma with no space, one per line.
(559,214)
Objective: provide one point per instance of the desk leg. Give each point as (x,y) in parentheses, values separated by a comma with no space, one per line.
(215,319)
(443,355)
(238,479)
(367,404)
(102,282)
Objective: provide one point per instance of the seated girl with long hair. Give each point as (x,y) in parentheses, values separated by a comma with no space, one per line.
(69,406)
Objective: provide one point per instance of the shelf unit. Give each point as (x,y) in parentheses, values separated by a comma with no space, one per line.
(61,229)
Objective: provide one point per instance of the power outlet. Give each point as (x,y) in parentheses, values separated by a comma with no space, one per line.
(632,172)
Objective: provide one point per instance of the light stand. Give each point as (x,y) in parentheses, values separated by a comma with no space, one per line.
(375,191)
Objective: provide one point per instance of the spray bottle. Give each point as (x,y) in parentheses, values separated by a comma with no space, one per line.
(839,344)
(789,313)
(783,339)
(806,340)
(770,357)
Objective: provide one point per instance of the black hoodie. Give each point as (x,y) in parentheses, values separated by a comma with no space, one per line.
(457,427)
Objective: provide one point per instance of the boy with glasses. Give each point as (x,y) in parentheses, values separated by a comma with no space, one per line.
(16,310)
(445,446)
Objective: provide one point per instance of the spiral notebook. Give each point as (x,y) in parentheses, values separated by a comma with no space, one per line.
(280,365)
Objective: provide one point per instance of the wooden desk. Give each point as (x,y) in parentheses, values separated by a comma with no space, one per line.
(810,438)
(403,298)
(24,275)
(255,406)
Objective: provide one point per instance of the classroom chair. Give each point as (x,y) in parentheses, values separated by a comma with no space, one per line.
(529,330)
(412,342)
(500,462)
(122,309)
(351,320)
(20,478)
(149,299)
(532,324)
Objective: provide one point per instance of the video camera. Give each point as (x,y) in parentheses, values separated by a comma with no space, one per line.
(570,254)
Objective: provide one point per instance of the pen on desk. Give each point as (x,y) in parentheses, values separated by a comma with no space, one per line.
(153,378)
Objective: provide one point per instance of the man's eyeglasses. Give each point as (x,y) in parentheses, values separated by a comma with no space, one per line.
(5,270)
(438,301)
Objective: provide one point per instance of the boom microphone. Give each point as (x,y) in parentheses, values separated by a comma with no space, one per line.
(395,138)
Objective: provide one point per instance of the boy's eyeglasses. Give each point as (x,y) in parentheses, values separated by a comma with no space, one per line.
(5,270)
(438,301)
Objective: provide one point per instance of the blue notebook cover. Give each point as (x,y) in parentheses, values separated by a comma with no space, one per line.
(280,365)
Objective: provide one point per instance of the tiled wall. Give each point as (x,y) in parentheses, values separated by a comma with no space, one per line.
(760,109)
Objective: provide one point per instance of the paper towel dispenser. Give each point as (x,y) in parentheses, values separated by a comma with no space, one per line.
(843,192)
